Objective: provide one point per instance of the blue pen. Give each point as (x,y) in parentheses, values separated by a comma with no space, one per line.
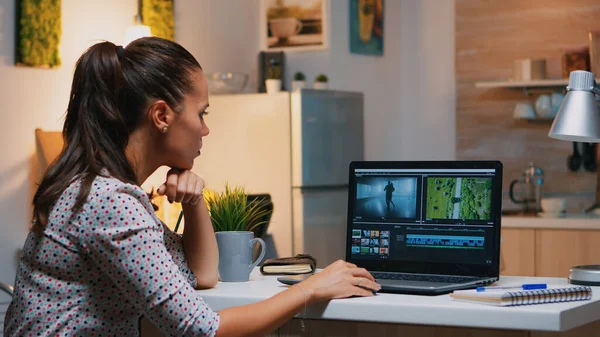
(532,286)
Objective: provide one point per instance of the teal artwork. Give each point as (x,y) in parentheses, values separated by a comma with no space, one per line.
(366,27)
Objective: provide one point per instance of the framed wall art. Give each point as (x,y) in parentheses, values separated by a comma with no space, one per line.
(366,27)
(159,16)
(38,33)
(294,25)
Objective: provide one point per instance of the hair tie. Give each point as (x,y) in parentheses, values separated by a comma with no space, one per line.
(120,51)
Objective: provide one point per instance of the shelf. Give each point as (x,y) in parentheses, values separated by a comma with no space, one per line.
(541,120)
(525,84)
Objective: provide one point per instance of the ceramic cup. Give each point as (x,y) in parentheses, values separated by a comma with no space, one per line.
(235,255)
(523,111)
(554,206)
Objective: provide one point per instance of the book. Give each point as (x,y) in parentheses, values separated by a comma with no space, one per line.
(288,269)
(518,296)
(299,264)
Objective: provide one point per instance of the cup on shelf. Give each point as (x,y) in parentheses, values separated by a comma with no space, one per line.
(523,111)
(544,108)
(528,69)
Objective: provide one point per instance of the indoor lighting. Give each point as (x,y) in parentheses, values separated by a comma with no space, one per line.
(138,29)
(578,118)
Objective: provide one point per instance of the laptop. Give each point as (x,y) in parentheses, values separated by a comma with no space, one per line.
(424,227)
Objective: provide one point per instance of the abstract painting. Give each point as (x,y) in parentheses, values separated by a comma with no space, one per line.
(159,15)
(366,27)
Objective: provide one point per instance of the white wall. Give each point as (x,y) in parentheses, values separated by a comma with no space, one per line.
(33,98)
(410,91)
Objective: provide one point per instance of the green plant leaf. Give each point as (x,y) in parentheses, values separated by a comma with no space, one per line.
(230,211)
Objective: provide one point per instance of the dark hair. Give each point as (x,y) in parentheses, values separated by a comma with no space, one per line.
(111,89)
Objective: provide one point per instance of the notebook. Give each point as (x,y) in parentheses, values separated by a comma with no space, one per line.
(299,264)
(517,296)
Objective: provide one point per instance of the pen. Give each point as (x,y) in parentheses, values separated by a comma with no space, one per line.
(532,286)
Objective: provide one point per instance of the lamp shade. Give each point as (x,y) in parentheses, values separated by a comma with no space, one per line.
(578,118)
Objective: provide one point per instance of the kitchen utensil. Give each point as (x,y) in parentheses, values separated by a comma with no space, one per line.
(531,181)
(589,157)
(574,160)
(226,83)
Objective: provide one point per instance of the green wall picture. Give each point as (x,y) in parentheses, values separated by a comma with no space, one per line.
(159,15)
(38,33)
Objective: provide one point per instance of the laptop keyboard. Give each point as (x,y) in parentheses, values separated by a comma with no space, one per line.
(420,277)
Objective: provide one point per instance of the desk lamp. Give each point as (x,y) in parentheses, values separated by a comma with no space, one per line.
(578,120)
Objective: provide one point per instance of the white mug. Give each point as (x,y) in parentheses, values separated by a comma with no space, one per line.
(285,27)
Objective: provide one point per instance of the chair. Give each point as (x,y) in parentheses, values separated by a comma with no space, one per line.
(49,144)
(265,204)
(8,289)
(260,231)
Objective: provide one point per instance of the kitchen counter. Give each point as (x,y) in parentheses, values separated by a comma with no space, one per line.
(411,310)
(576,221)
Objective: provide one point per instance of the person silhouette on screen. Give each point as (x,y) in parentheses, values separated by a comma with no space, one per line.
(389,189)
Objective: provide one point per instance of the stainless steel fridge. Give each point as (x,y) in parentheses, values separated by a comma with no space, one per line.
(327,133)
(296,147)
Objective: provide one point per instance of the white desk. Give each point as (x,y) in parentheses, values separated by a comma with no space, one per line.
(434,315)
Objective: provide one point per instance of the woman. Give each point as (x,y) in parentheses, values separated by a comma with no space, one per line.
(98,258)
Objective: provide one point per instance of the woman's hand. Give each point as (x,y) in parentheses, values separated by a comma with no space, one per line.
(182,186)
(338,280)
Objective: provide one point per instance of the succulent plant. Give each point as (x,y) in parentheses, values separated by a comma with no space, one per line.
(321,78)
(299,76)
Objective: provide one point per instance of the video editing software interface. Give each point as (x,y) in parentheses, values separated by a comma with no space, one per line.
(424,215)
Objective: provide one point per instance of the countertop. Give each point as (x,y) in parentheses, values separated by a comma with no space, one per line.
(422,310)
(575,221)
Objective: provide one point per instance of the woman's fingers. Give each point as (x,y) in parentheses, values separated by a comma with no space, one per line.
(362,272)
(171,183)
(359,291)
(199,189)
(162,189)
(362,282)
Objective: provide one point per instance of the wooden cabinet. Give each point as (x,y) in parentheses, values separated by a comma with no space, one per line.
(517,252)
(547,252)
(558,250)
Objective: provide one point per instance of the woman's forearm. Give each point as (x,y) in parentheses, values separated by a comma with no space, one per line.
(200,244)
(261,318)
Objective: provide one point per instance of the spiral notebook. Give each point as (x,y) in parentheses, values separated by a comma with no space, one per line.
(517,296)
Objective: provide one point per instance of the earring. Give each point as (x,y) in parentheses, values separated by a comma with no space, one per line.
(165,129)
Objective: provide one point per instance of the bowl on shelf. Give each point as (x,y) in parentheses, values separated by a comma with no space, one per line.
(226,83)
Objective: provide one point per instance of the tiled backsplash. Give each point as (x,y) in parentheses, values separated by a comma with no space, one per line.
(490,35)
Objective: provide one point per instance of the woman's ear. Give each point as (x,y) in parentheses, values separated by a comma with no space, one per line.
(161,116)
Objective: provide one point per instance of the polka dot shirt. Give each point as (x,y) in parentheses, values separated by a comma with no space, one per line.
(97,272)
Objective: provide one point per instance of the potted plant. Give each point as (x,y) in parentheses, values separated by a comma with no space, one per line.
(273,81)
(299,81)
(321,82)
(233,219)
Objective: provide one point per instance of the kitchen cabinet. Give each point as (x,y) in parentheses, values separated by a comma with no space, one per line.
(517,252)
(548,247)
(556,251)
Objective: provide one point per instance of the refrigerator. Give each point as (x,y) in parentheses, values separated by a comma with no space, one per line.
(327,134)
(296,147)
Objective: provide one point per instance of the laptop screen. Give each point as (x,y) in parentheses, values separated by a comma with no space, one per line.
(425,217)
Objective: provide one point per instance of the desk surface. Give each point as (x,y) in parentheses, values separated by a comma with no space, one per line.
(423,310)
